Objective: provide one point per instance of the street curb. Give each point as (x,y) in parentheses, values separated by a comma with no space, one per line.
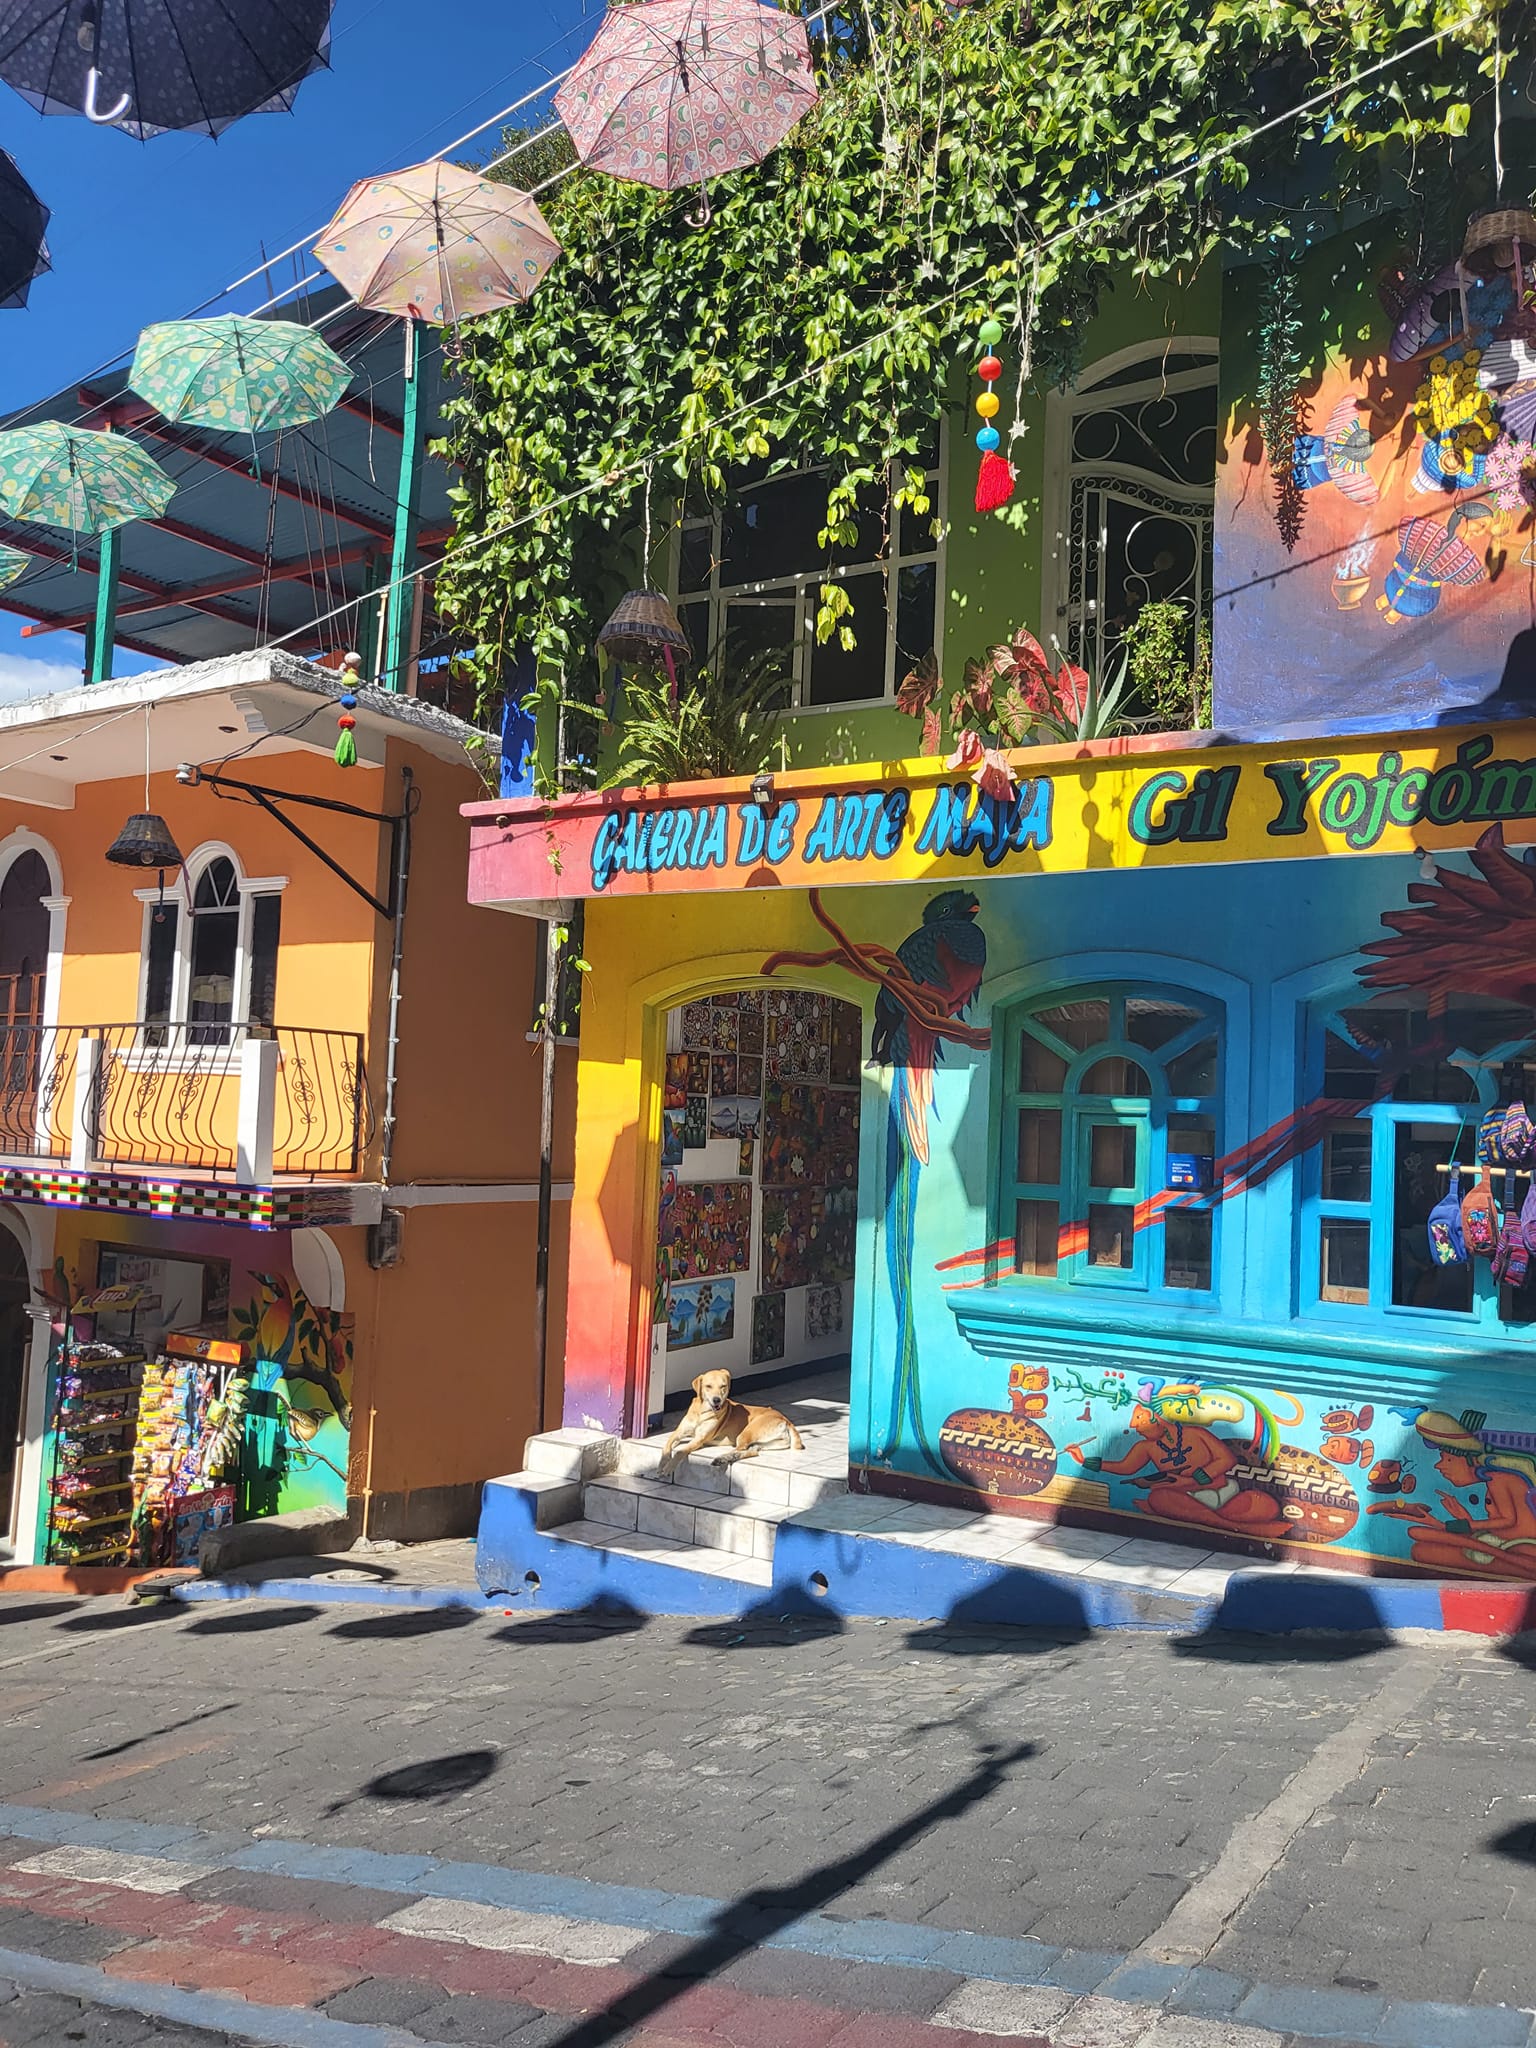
(835,1574)
(85,1580)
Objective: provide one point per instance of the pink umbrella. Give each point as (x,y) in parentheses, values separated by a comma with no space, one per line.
(673,92)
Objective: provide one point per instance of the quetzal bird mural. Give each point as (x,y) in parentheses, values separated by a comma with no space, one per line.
(925,988)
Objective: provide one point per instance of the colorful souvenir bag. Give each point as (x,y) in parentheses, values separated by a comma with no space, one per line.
(1518,1138)
(1480,1219)
(1528,1218)
(1512,1260)
(1447,1242)
(1490,1137)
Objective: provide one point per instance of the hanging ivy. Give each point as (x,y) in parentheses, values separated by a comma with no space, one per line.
(949,150)
(1282,409)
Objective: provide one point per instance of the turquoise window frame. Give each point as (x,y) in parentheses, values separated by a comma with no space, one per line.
(1148,1115)
(1384,1119)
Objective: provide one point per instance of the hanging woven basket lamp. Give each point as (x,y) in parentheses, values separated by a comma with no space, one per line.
(1501,240)
(144,842)
(645,632)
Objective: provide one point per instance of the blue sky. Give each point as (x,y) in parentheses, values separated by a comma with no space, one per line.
(147,231)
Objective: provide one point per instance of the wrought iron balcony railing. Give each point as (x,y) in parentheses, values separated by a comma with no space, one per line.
(245,1101)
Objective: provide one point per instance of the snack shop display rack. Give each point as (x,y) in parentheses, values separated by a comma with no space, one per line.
(95,1419)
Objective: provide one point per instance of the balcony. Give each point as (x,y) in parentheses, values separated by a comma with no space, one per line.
(249,1104)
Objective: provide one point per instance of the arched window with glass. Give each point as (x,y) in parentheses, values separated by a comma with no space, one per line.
(1409,1086)
(1111,1128)
(210,951)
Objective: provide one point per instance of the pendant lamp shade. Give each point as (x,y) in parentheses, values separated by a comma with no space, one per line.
(644,628)
(144,842)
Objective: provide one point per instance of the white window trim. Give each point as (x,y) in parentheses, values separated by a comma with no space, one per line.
(56,903)
(801,590)
(181,893)
(1063,409)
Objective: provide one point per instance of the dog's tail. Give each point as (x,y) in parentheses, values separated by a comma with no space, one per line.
(797,1441)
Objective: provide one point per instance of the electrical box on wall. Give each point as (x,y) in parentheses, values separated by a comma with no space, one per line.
(384,1239)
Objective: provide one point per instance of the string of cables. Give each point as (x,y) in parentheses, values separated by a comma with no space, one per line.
(1090,223)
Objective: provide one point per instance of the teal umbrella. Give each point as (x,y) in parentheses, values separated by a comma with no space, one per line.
(236,375)
(12,562)
(57,475)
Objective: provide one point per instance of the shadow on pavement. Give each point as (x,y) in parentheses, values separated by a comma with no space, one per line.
(1520,1650)
(607,1615)
(36,1610)
(776,1622)
(746,1923)
(437,1780)
(955,1637)
(1222,1646)
(249,1618)
(143,1614)
(96,1756)
(1517,1843)
(415,1621)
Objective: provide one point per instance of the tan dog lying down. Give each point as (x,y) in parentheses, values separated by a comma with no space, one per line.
(714,1418)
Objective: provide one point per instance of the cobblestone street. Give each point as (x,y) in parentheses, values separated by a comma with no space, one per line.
(578,1830)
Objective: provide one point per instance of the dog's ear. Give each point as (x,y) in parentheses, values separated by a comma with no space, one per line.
(698,1384)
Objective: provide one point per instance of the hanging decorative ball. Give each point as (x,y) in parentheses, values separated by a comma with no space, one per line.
(346,746)
(995,482)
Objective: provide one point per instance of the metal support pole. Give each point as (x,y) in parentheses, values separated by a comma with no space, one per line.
(401,595)
(371,615)
(103,633)
(547,1032)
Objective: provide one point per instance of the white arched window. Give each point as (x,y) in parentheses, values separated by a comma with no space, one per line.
(210,948)
(1134,446)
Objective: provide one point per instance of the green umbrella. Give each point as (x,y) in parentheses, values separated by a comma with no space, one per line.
(238,375)
(56,475)
(12,562)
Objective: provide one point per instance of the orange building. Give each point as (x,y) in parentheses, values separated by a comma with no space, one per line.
(267,1093)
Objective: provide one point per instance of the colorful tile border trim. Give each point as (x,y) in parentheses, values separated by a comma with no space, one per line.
(191,1201)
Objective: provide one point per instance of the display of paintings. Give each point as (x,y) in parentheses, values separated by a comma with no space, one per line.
(745,1157)
(676,1094)
(735,1116)
(808,1237)
(846,1029)
(700,1312)
(723,1030)
(706,1229)
(696,1027)
(810,1136)
(749,1074)
(722,1074)
(823,1313)
(696,1122)
(672,1136)
(767,1328)
(749,1031)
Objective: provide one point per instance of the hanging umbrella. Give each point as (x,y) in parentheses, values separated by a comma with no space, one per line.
(149,65)
(437,243)
(57,475)
(676,92)
(23,224)
(12,563)
(237,375)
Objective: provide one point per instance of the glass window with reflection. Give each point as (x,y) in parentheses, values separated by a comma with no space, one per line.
(1401,1091)
(750,572)
(1111,1128)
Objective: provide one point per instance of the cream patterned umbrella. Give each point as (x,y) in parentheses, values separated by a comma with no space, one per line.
(436,243)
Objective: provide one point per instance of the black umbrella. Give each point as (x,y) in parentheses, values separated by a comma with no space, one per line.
(23,224)
(149,65)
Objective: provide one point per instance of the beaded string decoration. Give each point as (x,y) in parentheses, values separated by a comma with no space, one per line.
(995,480)
(346,746)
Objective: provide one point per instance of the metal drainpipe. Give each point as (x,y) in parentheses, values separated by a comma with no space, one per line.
(546,1171)
(402,883)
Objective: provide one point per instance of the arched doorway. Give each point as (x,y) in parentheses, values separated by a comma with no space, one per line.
(759,1189)
(15,1335)
(24,930)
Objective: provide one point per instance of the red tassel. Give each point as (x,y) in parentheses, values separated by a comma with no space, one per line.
(994,484)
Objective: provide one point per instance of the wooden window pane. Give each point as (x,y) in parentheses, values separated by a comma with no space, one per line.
(1039,1145)
(1112,1156)
(1041,1071)
(1346,1262)
(1347,1162)
(1117,1076)
(1111,1235)
(1035,1239)
(1187,1248)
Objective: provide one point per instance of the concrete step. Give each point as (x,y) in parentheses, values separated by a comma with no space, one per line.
(701,1519)
(789,1479)
(571,1453)
(667,1550)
